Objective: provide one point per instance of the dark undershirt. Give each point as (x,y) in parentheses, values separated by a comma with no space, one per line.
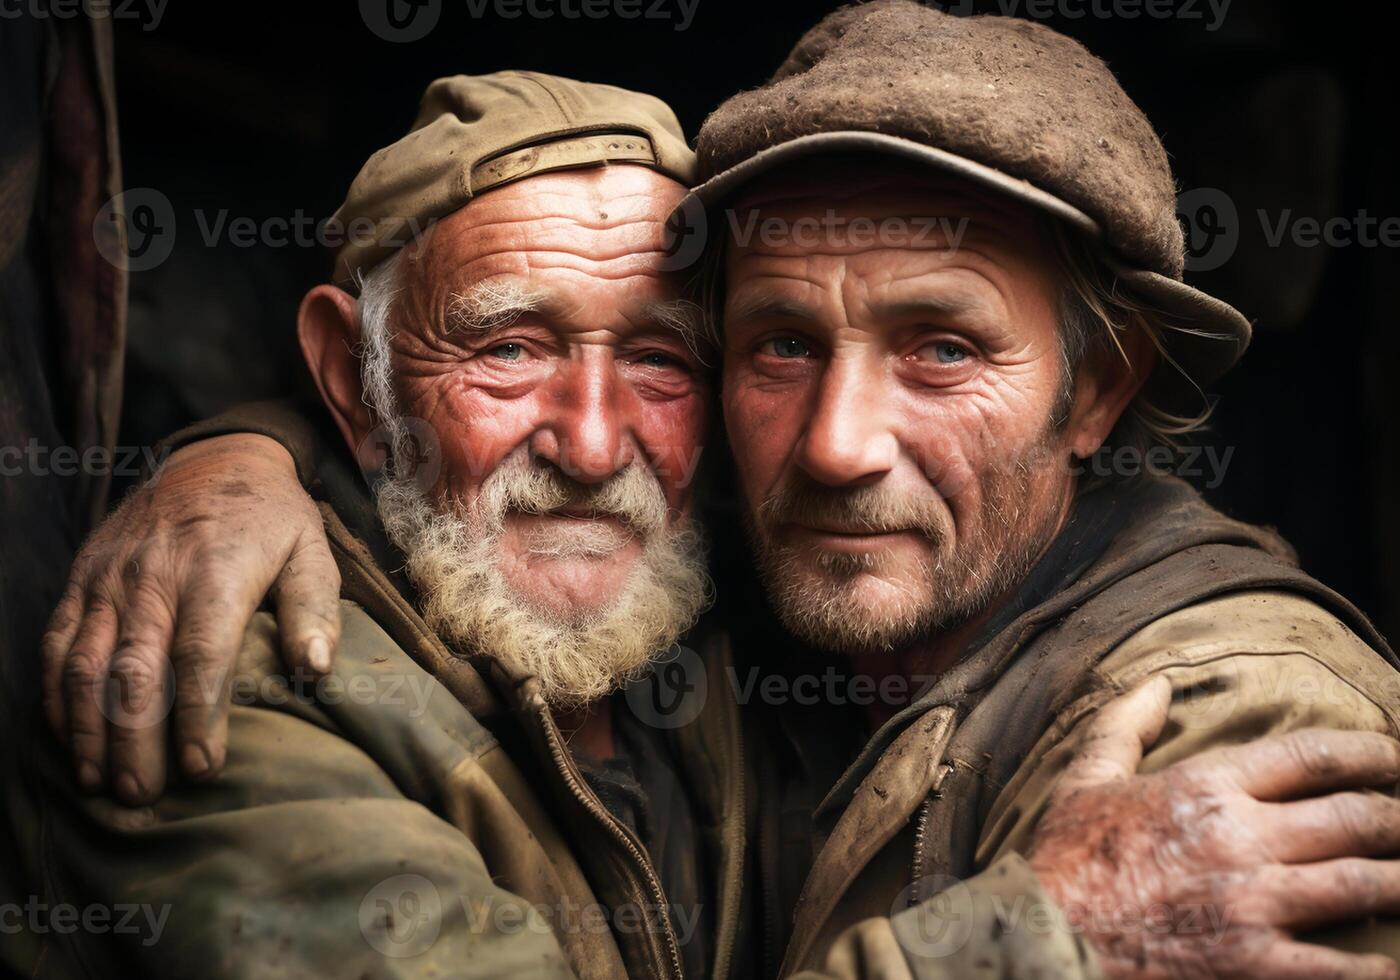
(642,787)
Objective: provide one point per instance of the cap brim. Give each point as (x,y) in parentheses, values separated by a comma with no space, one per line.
(1209,336)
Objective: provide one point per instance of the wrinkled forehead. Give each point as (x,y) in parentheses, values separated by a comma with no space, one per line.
(603,224)
(893,234)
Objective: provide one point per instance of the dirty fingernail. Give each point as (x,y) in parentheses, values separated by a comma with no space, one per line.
(318,654)
(88,775)
(128,788)
(194,760)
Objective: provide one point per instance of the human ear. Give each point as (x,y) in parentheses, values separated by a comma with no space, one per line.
(328,329)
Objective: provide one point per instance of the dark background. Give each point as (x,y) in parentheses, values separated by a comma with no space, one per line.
(268,111)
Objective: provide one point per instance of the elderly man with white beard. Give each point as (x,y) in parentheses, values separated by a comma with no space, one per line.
(466,799)
(898,412)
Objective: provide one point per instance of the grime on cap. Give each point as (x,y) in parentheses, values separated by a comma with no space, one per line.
(1007,103)
(477,132)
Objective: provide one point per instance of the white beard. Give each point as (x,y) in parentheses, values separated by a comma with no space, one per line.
(454,561)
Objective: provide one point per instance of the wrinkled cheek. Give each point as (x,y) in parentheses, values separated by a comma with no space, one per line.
(673,436)
(944,461)
(474,433)
(961,445)
(763,430)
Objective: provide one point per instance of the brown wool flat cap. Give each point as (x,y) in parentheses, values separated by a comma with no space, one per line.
(1005,102)
(476,132)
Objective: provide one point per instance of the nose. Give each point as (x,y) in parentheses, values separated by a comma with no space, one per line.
(848,440)
(587,430)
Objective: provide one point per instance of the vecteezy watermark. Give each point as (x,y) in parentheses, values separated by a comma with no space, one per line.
(150,224)
(38,459)
(839,231)
(1211,12)
(147,12)
(935,916)
(1212,227)
(832,686)
(401,917)
(406,21)
(672,692)
(1206,464)
(135,694)
(64,918)
(686,231)
(1362,229)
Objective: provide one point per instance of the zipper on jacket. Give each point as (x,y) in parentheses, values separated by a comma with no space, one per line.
(920,867)
(650,882)
(727,933)
(920,851)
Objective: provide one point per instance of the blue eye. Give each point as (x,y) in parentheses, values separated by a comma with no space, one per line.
(507,352)
(656,359)
(948,353)
(788,347)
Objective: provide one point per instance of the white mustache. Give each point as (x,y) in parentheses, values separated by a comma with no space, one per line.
(581,538)
(632,496)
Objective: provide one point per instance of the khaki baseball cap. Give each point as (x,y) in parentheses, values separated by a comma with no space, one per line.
(476,132)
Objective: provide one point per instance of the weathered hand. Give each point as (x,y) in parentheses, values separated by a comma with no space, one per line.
(158,599)
(1210,866)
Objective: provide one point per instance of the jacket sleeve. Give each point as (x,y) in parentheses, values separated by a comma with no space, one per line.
(296,423)
(1242,667)
(999,923)
(304,858)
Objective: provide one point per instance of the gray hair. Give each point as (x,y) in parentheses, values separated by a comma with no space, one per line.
(1095,311)
(378,289)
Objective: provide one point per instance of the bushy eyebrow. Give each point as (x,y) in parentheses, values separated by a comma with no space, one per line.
(947,305)
(494,303)
(681,317)
(763,307)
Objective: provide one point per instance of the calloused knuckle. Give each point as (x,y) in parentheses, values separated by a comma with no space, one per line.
(156,596)
(198,647)
(107,591)
(1353,814)
(83,669)
(1313,752)
(1358,878)
(89,735)
(1250,894)
(136,669)
(53,647)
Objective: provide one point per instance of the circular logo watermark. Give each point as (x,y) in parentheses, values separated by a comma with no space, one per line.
(1211,224)
(684,235)
(401,21)
(934,916)
(1211,704)
(673,691)
(148,219)
(418,457)
(401,916)
(138,694)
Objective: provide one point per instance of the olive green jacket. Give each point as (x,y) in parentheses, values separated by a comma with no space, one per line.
(921,873)
(373,824)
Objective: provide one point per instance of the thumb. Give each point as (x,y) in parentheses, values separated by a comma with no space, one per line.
(1122,731)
